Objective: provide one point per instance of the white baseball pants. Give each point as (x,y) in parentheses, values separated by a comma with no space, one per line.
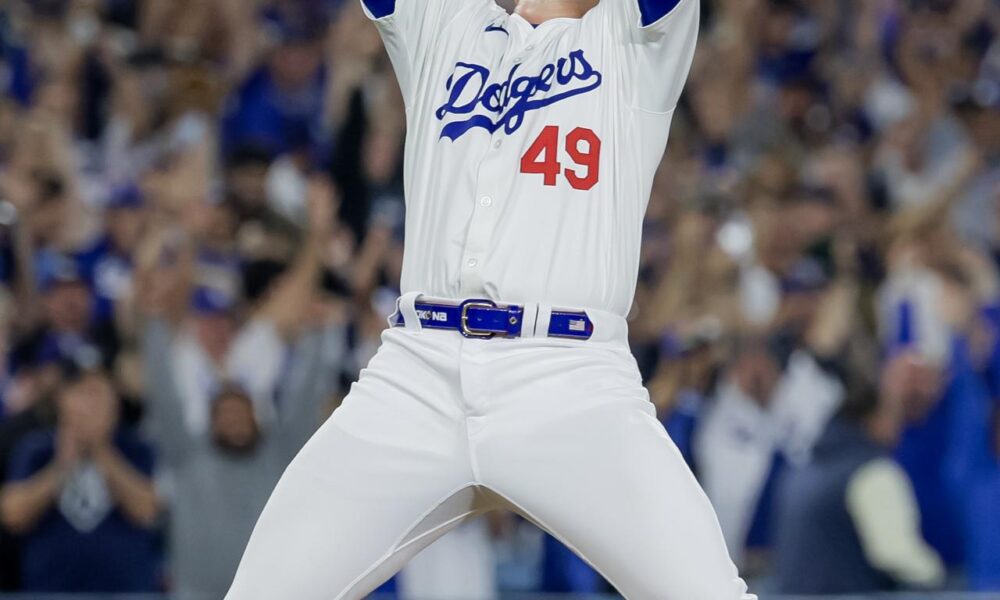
(441,429)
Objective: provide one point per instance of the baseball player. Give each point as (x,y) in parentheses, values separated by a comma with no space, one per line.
(506,379)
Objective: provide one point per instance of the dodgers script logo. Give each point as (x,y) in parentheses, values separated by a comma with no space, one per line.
(508,101)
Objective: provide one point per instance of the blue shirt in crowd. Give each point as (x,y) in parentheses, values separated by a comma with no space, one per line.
(923,453)
(972,469)
(84,543)
(108,274)
(264,115)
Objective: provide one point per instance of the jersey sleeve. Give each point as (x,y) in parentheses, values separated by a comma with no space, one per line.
(412,29)
(659,38)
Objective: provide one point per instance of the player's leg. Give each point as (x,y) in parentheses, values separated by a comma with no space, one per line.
(580,452)
(462,566)
(384,477)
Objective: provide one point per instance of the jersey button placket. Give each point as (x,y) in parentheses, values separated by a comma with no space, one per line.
(476,245)
(484,219)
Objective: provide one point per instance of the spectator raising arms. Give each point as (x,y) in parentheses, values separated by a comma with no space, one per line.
(223,475)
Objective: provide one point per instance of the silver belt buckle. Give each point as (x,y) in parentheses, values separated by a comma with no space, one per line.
(471,332)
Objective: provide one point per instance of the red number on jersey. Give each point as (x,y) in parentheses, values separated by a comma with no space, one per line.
(543,157)
(547,144)
(590,159)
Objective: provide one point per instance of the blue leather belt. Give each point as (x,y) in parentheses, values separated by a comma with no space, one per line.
(485,319)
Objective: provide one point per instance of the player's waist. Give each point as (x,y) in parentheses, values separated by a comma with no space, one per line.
(489,319)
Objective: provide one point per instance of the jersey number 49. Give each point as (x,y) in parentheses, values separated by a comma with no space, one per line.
(583,147)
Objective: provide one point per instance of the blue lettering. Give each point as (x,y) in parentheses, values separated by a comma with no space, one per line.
(457,84)
(510,100)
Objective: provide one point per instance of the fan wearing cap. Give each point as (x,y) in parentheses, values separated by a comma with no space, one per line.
(106,264)
(66,329)
(281,105)
(82,497)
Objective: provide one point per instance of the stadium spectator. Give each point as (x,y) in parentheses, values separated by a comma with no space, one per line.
(974,461)
(239,321)
(223,474)
(67,329)
(82,497)
(984,495)
(930,307)
(968,411)
(848,521)
(771,406)
(281,106)
(106,264)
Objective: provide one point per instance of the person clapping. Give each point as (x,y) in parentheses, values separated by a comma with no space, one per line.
(81,496)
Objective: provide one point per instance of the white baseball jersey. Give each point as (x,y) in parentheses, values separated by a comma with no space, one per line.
(530,156)
(531,151)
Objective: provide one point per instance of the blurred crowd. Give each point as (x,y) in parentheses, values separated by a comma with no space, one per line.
(201,235)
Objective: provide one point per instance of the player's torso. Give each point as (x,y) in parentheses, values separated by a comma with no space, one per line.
(528,170)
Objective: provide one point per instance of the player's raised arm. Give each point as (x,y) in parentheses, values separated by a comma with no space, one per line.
(412,29)
(661,35)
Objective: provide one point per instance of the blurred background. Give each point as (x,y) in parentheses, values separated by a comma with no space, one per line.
(201,235)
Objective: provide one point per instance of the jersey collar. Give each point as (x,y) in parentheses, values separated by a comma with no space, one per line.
(522,24)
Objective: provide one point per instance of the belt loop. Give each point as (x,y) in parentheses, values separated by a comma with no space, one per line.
(542,322)
(528,320)
(407,306)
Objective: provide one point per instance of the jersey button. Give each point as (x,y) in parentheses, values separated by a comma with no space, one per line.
(486,201)
(497,144)
(473,263)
